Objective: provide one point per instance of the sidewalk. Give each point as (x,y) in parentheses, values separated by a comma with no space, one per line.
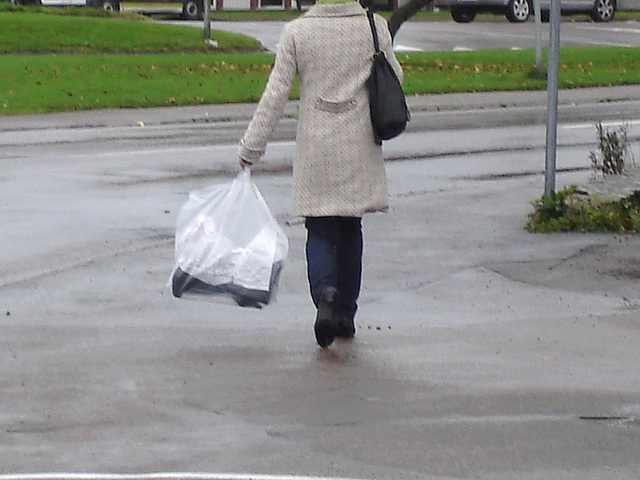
(240,112)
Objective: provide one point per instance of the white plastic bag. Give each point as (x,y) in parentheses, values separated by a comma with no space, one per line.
(228,245)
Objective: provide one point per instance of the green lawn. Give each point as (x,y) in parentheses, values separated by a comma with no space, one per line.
(487,70)
(76,59)
(36,32)
(50,83)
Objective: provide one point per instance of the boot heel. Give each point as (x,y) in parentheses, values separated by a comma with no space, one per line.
(326,326)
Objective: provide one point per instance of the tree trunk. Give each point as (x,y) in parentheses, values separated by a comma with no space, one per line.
(405,12)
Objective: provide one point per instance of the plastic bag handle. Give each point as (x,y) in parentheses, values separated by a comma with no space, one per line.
(245,173)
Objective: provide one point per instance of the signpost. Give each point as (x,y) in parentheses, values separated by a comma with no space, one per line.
(538,19)
(552,99)
(206,13)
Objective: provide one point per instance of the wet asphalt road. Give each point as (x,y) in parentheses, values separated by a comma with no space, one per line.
(482,351)
(451,36)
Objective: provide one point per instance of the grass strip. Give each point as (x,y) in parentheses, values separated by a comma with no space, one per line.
(107,60)
(49,83)
(495,70)
(24,32)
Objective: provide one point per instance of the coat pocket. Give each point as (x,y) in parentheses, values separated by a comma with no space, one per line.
(335,107)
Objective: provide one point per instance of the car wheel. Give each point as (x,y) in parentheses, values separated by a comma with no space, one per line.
(518,11)
(192,9)
(463,15)
(603,10)
(110,5)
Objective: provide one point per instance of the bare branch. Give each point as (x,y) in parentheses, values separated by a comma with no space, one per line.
(405,12)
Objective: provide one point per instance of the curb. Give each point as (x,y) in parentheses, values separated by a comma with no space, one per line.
(243,112)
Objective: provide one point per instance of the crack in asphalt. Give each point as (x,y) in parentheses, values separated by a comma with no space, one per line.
(83,262)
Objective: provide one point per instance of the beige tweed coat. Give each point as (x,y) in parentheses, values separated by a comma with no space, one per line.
(338,169)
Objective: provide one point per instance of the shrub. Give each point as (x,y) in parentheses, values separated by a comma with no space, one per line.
(568,210)
(614,150)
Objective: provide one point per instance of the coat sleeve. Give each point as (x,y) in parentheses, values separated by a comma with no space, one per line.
(272,102)
(386,45)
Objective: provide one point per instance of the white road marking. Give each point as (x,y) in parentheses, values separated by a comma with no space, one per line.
(608,123)
(161,476)
(405,48)
(609,29)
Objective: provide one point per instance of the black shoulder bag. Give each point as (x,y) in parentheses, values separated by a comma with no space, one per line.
(389,112)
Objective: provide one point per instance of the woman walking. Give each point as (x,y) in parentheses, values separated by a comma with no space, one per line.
(338,169)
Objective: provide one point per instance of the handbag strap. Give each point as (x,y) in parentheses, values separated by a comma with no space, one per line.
(374,32)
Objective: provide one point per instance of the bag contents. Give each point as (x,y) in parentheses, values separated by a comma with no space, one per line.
(228,245)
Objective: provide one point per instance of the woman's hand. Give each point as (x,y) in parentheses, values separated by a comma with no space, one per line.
(244,163)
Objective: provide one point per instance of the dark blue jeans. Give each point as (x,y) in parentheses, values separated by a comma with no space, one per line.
(334,259)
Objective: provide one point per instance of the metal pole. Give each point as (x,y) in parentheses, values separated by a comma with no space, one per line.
(552,99)
(538,18)
(207,20)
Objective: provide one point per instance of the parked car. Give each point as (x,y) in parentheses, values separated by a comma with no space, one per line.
(191,9)
(464,11)
(113,5)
